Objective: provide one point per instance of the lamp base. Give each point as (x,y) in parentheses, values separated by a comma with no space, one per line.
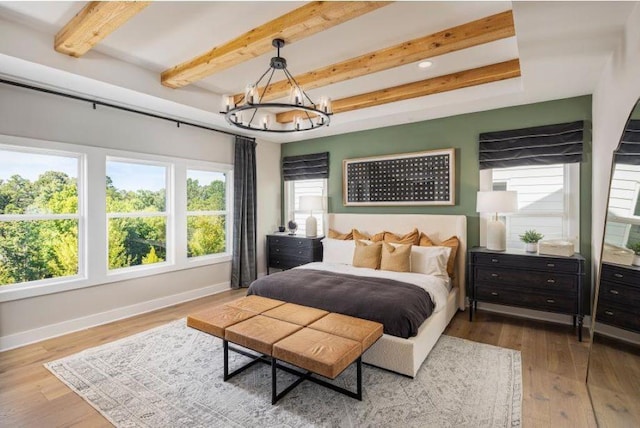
(311,227)
(496,236)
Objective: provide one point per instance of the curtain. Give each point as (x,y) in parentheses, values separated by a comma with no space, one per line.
(628,151)
(305,167)
(244,261)
(542,145)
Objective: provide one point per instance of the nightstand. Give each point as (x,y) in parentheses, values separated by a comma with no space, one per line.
(288,251)
(528,280)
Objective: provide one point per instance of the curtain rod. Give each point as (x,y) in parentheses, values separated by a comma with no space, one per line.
(105,104)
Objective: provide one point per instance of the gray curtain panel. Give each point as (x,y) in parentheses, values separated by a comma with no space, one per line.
(244,263)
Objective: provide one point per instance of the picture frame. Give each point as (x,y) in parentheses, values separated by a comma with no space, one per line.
(418,178)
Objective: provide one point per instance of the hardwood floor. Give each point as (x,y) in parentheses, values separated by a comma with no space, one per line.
(553,365)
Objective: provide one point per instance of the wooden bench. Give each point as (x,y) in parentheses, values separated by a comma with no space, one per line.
(317,341)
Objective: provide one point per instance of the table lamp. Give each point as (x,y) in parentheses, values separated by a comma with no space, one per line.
(497,202)
(311,204)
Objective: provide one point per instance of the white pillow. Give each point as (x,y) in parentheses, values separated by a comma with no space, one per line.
(430,260)
(338,251)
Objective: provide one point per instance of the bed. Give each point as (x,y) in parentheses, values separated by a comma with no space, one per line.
(391,352)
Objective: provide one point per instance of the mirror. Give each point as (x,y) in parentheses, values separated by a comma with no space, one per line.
(613,376)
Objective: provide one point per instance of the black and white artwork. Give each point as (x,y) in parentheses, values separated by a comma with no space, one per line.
(423,178)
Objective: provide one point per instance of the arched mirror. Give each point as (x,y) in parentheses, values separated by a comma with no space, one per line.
(613,376)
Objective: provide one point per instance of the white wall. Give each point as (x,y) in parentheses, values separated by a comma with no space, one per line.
(616,93)
(30,114)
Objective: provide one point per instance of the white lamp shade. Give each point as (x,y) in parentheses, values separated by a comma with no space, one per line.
(497,201)
(310,203)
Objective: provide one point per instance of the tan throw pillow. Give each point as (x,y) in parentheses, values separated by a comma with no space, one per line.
(425,241)
(367,255)
(363,236)
(334,234)
(396,259)
(452,243)
(412,238)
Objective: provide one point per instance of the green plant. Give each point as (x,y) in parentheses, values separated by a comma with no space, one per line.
(635,247)
(531,237)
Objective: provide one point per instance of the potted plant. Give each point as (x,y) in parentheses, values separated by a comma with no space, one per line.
(531,238)
(635,247)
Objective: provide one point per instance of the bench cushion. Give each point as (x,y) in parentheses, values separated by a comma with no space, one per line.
(319,352)
(255,304)
(364,331)
(260,333)
(215,320)
(296,314)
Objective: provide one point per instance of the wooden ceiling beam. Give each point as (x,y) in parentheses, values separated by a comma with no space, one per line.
(293,26)
(462,79)
(93,23)
(485,30)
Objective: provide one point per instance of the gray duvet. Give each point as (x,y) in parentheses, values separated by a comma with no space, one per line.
(399,306)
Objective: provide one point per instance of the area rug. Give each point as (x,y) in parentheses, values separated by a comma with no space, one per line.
(171,376)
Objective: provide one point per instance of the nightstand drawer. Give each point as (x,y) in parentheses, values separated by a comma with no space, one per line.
(290,241)
(545,302)
(280,262)
(547,264)
(550,281)
(612,315)
(620,275)
(302,252)
(619,294)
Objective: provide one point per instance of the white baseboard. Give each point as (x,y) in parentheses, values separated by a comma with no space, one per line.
(531,314)
(618,333)
(47,332)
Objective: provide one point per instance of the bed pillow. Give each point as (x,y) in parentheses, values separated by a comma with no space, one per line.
(396,258)
(425,241)
(452,243)
(357,235)
(430,260)
(337,251)
(412,238)
(367,255)
(334,234)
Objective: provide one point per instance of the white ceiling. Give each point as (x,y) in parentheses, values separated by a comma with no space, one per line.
(562,48)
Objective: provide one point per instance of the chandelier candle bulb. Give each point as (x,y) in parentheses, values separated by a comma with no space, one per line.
(251,93)
(266,120)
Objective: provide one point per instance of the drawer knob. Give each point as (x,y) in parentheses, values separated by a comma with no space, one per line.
(610,313)
(494,260)
(550,301)
(551,281)
(495,275)
(277,262)
(277,250)
(615,292)
(277,240)
(299,242)
(618,275)
(551,265)
(494,293)
(299,252)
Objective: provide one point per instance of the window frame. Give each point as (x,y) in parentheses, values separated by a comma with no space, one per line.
(94,242)
(570,216)
(289,204)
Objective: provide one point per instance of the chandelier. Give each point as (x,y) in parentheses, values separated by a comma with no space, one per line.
(252,114)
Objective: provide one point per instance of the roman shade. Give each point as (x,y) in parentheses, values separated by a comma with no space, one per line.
(305,167)
(541,145)
(628,151)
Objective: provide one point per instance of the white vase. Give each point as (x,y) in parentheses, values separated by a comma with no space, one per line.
(636,260)
(531,247)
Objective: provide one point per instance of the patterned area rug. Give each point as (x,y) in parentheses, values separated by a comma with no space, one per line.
(171,376)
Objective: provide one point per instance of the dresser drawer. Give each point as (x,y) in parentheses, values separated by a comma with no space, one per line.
(619,294)
(621,275)
(285,262)
(290,241)
(613,315)
(550,281)
(532,300)
(301,252)
(531,262)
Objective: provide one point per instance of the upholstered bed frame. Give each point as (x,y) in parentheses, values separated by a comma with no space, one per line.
(405,356)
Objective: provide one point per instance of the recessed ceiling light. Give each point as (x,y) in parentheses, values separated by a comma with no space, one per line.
(425,64)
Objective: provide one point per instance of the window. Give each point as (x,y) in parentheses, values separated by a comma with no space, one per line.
(623,221)
(206,212)
(548,199)
(296,188)
(40,215)
(136,213)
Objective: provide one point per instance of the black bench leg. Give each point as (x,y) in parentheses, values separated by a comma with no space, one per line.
(225,347)
(274,388)
(359,378)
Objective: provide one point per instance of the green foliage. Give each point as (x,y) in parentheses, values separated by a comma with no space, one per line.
(40,249)
(531,237)
(635,247)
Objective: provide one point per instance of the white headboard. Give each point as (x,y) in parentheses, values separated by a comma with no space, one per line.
(437,227)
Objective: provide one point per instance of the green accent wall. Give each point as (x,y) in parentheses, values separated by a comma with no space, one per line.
(460,132)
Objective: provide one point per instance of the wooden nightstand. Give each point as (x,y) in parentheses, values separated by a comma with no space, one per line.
(288,251)
(532,281)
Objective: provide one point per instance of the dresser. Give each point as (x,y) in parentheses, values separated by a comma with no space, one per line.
(619,297)
(528,280)
(288,251)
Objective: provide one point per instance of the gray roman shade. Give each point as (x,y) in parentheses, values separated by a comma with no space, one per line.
(305,167)
(542,145)
(629,149)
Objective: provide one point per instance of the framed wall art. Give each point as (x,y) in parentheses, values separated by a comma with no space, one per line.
(422,178)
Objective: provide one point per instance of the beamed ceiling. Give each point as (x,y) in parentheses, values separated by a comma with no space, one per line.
(363,55)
